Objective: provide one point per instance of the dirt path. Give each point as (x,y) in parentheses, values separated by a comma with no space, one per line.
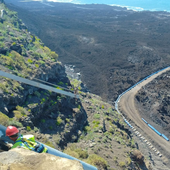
(128,109)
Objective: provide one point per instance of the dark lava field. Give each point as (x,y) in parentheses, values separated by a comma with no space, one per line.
(112,47)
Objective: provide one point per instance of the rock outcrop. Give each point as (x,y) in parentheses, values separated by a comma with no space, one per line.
(24,159)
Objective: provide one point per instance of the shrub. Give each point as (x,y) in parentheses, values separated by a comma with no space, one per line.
(3,87)
(67,120)
(87,129)
(14,122)
(21,110)
(115,158)
(56,139)
(14,39)
(97,161)
(14,43)
(30,61)
(37,65)
(41,62)
(2,38)
(28,128)
(35,129)
(47,50)
(2,45)
(11,33)
(58,121)
(42,100)
(96,123)
(59,88)
(122,164)
(43,120)
(60,83)
(50,127)
(37,93)
(128,161)
(71,153)
(54,55)
(79,107)
(4,119)
(96,116)
(17,114)
(82,153)
(7,60)
(18,59)
(50,144)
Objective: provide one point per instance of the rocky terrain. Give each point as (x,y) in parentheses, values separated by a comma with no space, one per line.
(112,46)
(21,157)
(153,101)
(86,128)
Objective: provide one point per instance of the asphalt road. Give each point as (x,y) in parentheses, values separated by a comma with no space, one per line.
(127,107)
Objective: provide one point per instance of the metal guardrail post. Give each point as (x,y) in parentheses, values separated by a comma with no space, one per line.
(36,84)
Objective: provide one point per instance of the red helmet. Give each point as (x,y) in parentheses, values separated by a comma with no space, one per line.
(11,130)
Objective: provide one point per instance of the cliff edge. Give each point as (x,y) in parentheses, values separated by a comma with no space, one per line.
(26,160)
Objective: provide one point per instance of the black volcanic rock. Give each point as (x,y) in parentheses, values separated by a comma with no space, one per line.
(112,47)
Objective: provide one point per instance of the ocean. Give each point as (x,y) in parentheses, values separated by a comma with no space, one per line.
(138,5)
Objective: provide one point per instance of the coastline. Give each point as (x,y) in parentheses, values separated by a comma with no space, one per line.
(134,8)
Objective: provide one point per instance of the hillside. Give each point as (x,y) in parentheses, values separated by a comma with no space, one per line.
(112,46)
(86,128)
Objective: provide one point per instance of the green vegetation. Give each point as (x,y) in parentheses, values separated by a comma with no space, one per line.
(50,144)
(2,44)
(50,127)
(76,152)
(97,161)
(28,128)
(43,120)
(122,164)
(87,129)
(75,83)
(42,100)
(3,87)
(19,112)
(96,123)
(60,83)
(14,122)
(128,161)
(58,121)
(79,107)
(37,94)
(37,65)
(96,116)
(4,119)
(67,120)
(30,61)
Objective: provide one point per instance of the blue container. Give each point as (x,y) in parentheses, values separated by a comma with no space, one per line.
(165,137)
(154,130)
(144,120)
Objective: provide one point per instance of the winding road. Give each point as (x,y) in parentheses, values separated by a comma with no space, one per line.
(127,107)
